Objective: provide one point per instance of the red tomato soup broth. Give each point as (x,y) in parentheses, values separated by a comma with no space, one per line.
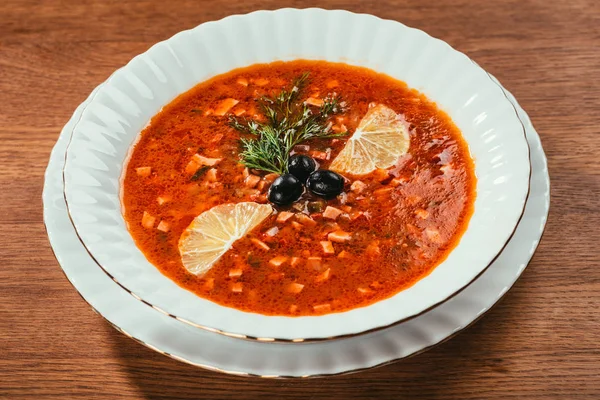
(387,230)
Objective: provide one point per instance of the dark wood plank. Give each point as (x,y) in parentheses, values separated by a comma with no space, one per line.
(540,342)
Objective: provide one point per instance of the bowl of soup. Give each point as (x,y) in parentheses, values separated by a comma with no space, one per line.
(276,176)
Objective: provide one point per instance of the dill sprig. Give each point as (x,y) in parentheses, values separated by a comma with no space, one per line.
(289,123)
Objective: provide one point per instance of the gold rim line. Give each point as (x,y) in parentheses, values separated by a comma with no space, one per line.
(303,340)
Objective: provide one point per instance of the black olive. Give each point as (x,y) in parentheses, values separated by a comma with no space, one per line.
(301,166)
(286,189)
(326,184)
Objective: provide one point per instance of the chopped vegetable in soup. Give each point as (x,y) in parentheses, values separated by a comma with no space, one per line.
(298,188)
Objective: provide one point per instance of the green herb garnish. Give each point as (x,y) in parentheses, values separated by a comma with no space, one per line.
(289,123)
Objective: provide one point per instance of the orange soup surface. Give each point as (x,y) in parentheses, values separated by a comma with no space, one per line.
(383,233)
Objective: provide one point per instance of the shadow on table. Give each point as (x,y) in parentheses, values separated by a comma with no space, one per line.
(449,370)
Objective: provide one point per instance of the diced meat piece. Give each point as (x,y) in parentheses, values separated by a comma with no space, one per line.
(192,167)
(339,236)
(331,213)
(261,185)
(293,308)
(305,220)
(397,182)
(313,262)
(237,287)
(239,111)
(421,213)
(295,261)
(143,171)
(270,177)
(301,148)
(163,199)
(284,216)
(297,226)
(327,247)
(211,175)
(332,83)
(323,276)
(260,244)
(381,174)
(251,181)
(339,128)
(235,273)
(246,173)
(148,220)
(163,226)
(242,81)
(319,155)
(314,101)
(358,186)
(364,290)
(201,160)
(382,191)
(356,215)
(225,106)
(278,261)
(373,249)
(344,254)
(209,284)
(294,288)
(260,81)
(322,307)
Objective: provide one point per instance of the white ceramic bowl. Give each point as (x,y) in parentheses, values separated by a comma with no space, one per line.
(135,93)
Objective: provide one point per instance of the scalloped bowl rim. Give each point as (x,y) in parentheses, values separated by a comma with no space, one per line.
(115,116)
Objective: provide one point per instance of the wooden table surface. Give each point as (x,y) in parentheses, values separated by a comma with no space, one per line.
(541,342)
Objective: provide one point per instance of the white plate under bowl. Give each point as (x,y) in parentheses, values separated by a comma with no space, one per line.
(133,94)
(220,353)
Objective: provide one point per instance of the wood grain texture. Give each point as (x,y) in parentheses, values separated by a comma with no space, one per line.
(541,342)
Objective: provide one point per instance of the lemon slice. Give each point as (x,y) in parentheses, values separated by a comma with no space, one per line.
(213,232)
(381,137)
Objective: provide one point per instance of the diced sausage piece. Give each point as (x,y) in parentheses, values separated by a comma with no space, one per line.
(319,155)
(275,276)
(209,284)
(237,287)
(272,231)
(327,247)
(322,307)
(201,160)
(278,261)
(192,167)
(260,81)
(295,261)
(235,273)
(313,262)
(211,175)
(225,106)
(242,81)
(294,288)
(314,101)
(163,226)
(239,111)
(382,191)
(261,185)
(143,171)
(364,290)
(305,220)
(148,220)
(297,226)
(284,216)
(381,174)
(246,172)
(270,177)
(323,276)
(344,254)
(163,199)
(339,236)
(358,186)
(331,212)
(251,181)
(260,244)
(421,213)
